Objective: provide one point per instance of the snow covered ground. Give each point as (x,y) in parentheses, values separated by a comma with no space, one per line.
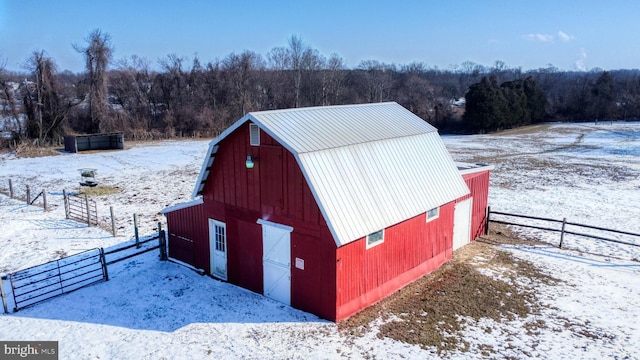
(153,310)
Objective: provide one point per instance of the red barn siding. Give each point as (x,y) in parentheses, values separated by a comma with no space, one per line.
(275,186)
(187,227)
(244,253)
(313,288)
(478,184)
(410,250)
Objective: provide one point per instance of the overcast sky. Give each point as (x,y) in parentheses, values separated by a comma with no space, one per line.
(570,35)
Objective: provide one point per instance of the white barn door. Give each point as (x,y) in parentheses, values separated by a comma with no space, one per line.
(218,249)
(462,223)
(276,260)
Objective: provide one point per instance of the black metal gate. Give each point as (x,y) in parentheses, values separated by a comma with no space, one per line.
(43,282)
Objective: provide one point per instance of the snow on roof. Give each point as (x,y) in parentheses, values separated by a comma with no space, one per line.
(467,168)
(369,166)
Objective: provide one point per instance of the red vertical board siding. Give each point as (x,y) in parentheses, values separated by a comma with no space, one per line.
(313,285)
(244,253)
(275,186)
(410,250)
(478,184)
(186,227)
(271,181)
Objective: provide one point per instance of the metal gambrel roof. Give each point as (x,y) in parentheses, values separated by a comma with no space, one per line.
(369,166)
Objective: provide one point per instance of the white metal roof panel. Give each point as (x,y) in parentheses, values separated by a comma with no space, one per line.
(364,188)
(325,127)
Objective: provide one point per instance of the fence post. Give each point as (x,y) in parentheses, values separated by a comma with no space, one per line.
(44,199)
(486,224)
(103,262)
(28,195)
(113,221)
(4,298)
(165,255)
(564,222)
(135,229)
(86,201)
(11,188)
(66,203)
(162,243)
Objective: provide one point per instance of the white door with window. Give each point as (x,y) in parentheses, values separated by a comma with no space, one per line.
(276,260)
(462,223)
(218,246)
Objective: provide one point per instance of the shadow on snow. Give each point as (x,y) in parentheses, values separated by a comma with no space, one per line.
(147,294)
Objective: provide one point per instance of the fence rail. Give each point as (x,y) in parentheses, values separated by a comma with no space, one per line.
(563,229)
(43,282)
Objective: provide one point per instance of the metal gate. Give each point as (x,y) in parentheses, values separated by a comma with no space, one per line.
(43,282)
(81,209)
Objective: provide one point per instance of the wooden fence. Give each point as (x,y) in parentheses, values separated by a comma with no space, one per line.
(562,227)
(76,207)
(43,282)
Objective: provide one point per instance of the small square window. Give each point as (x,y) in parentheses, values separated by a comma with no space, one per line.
(433,214)
(254,135)
(375,238)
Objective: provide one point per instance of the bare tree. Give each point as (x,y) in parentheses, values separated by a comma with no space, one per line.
(130,86)
(240,77)
(8,103)
(379,80)
(43,106)
(333,80)
(296,51)
(97,54)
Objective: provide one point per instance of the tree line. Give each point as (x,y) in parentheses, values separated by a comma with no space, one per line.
(185,97)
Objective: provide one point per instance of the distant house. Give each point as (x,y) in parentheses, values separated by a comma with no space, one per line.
(327,209)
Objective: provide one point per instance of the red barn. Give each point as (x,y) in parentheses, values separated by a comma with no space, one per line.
(327,209)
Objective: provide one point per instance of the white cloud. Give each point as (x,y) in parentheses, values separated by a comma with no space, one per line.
(565,37)
(546,38)
(579,64)
(539,37)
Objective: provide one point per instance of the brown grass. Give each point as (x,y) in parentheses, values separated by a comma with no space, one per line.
(431,312)
(100,190)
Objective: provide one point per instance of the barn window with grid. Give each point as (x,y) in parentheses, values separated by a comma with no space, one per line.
(220,238)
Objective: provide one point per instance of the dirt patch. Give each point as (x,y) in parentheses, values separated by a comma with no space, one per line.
(480,282)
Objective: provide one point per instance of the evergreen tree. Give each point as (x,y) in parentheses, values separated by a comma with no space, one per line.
(536,100)
(602,100)
(514,103)
(486,106)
